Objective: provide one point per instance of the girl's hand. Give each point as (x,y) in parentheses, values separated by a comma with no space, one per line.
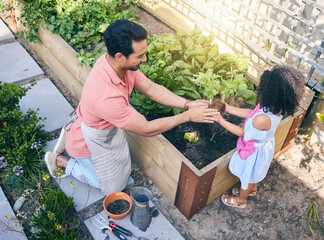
(219,118)
(198,103)
(202,114)
(226,106)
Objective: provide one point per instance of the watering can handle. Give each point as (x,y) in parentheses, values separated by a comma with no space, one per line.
(152,209)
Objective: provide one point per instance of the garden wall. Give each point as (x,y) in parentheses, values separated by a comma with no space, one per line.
(189,188)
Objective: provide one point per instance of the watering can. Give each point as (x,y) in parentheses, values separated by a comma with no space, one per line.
(142,213)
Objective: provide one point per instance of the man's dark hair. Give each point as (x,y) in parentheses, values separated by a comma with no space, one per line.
(120,34)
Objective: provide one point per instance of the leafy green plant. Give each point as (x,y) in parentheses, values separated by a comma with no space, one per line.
(190,65)
(78,22)
(313,218)
(320,116)
(47,212)
(191,136)
(21,135)
(54,219)
(89,58)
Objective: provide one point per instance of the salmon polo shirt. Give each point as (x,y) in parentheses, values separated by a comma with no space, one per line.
(104,104)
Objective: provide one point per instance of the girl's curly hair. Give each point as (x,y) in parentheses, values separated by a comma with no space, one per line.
(281,88)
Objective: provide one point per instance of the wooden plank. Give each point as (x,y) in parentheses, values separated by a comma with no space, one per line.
(163,151)
(64,53)
(292,133)
(151,169)
(281,134)
(56,66)
(220,163)
(162,155)
(225,181)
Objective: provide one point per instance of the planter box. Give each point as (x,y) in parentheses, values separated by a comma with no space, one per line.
(189,188)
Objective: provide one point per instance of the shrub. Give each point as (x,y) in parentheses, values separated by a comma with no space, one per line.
(56,217)
(21,135)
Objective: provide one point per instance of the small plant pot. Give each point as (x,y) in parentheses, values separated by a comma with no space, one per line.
(111,199)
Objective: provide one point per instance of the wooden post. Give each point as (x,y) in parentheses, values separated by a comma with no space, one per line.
(193,191)
(310,120)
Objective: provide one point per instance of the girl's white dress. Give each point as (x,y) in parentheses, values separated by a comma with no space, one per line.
(255,167)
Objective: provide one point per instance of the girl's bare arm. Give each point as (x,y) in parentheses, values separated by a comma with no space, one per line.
(239,112)
(237,130)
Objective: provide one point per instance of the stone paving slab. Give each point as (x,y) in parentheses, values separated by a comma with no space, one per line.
(8,230)
(16,64)
(159,229)
(51,103)
(5,33)
(83,194)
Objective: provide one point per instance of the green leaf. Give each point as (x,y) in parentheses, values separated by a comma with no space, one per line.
(320,116)
(189,43)
(191,136)
(177,111)
(50,27)
(103,27)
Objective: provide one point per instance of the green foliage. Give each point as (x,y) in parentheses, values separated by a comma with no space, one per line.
(78,22)
(47,211)
(89,58)
(314,220)
(21,136)
(320,116)
(191,136)
(55,218)
(190,65)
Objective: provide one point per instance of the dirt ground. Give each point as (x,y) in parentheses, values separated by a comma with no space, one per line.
(278,211)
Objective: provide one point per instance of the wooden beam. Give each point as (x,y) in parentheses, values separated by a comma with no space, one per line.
(193,191)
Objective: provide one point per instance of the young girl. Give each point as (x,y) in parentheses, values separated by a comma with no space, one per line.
(280,89)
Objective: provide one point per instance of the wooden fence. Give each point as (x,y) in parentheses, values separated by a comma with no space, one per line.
(266,31)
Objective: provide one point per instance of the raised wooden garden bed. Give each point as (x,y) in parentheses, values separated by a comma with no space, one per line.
(189,188)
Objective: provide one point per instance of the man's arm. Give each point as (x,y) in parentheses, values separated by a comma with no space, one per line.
(141,126)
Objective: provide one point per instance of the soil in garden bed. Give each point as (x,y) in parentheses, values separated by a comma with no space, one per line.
(214,141)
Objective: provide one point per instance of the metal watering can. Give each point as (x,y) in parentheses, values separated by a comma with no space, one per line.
(142,213)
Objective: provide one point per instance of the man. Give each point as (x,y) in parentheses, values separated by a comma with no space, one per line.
(94,136)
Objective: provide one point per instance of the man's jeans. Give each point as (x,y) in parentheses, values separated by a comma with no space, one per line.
(83,170)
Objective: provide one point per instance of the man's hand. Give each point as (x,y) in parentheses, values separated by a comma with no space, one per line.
(198,103)
(202,114)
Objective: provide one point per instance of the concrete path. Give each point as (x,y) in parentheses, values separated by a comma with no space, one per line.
(9,225)
(17,66)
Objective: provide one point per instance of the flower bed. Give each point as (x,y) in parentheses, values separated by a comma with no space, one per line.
(188,187)
(22,172)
